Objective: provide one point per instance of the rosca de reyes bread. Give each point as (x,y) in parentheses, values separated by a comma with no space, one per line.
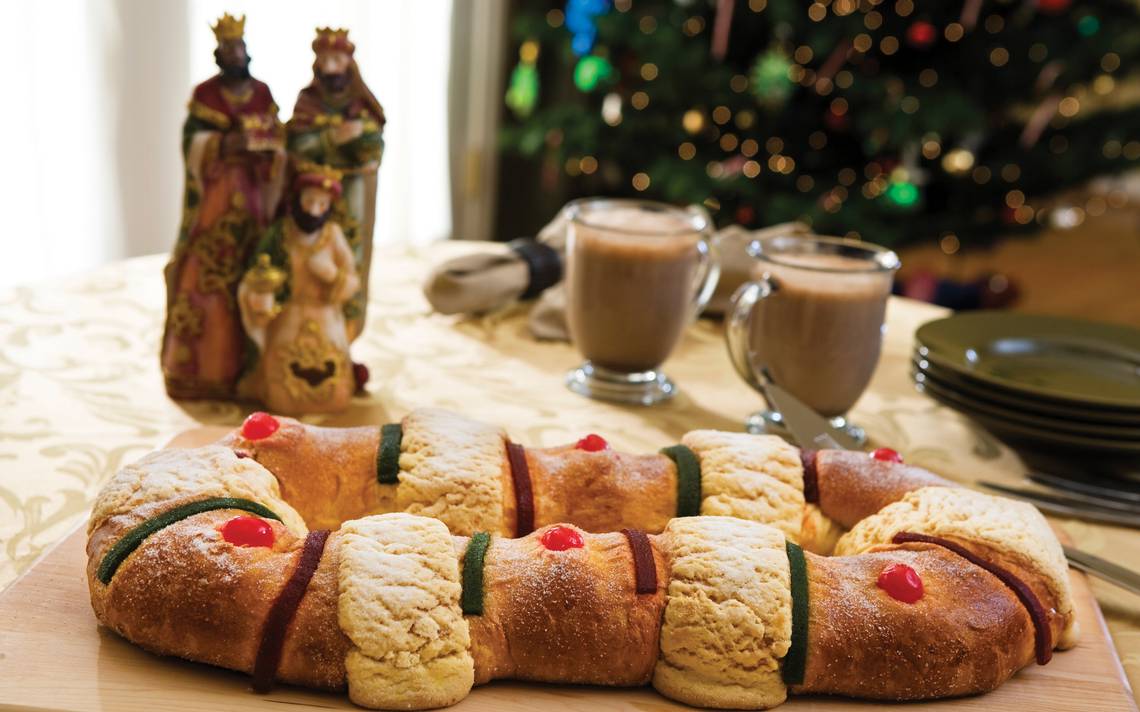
(933,591)
(472,477)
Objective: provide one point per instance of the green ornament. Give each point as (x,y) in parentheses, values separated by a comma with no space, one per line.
(591,70)
(902,194)
(522,92)
(771,83)
(1088,25)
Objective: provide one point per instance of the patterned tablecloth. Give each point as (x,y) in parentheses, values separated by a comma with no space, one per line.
(81,393)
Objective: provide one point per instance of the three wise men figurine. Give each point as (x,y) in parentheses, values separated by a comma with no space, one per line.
(292,303)
(263,300)
(338,122)
(234,150)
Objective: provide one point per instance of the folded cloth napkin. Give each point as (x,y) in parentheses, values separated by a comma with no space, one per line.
(486,281)
(524,269)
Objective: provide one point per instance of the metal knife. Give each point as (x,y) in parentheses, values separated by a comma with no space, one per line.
(1106,570)
(1107,489)
(810,429)
(1070,507)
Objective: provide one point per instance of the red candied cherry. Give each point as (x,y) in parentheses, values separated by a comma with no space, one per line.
(592,443)
(359,376)
(887,455)
(562,538)
(259,425)
(248,531)
(901,583)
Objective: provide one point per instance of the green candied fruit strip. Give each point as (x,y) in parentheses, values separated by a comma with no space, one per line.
(472,599)
(123,547)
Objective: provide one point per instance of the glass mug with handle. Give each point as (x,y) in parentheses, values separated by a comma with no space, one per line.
(811,320)
(637,274)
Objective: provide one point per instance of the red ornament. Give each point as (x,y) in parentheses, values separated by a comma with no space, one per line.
(745,215)
(921,34)
(560,538)
(360,376)
(592,443)
(901,583)
(887,455)
(1054,7)
(259,425)
(248,531)
(835,122)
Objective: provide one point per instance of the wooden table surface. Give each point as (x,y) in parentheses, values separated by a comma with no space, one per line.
(81,394)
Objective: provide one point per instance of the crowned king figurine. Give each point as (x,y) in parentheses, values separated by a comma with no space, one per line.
(338,122)
(234,150)
(292,303)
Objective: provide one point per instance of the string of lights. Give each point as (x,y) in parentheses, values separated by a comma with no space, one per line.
(890,119)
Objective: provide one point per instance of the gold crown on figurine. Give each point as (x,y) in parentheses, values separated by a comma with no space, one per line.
(329,38)
(316,175)
(229,28)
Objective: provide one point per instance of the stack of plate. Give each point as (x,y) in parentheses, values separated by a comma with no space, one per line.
(1043,381)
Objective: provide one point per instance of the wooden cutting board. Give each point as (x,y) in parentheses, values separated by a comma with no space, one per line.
(55,656)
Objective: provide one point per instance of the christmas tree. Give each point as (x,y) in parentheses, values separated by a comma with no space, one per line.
(890,120)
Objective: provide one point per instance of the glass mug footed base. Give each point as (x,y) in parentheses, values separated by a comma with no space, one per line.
(769,422)
(638,388)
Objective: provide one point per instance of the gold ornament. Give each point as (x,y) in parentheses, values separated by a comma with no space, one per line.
(229,28)
(218,250)
(693,121)
(264,276)
(185,322)
(958,162)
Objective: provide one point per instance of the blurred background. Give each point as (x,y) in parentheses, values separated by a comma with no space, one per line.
(995,143)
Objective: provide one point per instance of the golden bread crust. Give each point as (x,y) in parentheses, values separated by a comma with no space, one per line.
(188,593)
(210,471)
(853,486)
(330,473)
(755,477)
(399,606)
(818,532)
(602,491)
(456,470)
(1012,534)
(863,643)
(728,614)
(566,616)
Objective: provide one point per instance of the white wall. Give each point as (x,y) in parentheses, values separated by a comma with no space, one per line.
(98,96)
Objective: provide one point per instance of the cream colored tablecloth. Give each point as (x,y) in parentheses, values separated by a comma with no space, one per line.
(81,393)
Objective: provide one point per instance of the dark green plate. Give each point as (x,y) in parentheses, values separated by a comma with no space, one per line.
(1025,404)
(1070,360)
(1038,437)
(1030,419)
